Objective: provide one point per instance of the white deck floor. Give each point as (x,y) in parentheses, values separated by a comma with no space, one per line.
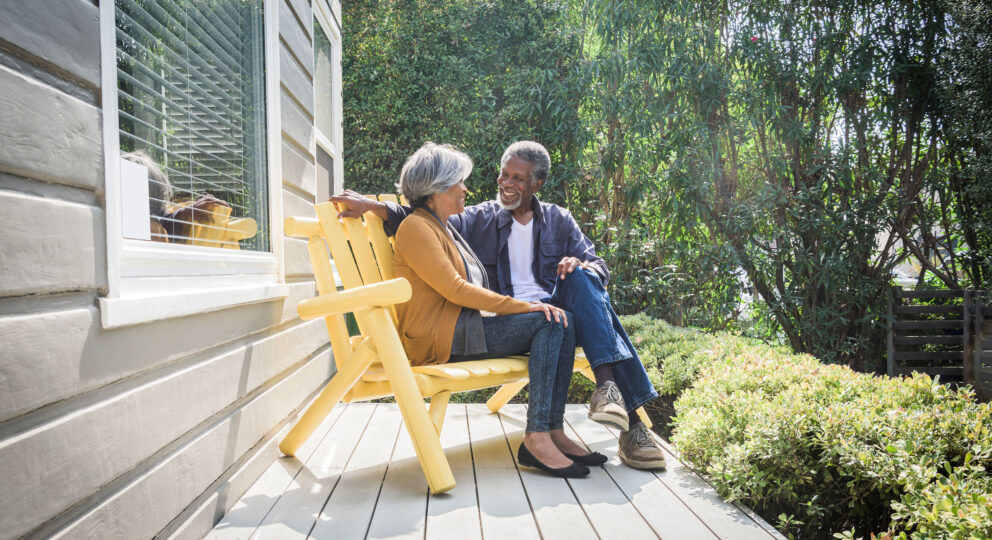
(357,477)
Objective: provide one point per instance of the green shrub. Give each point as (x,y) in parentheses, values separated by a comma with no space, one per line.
(957,505)
(821,449)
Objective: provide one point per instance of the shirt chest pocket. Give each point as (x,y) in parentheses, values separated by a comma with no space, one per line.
(550,254)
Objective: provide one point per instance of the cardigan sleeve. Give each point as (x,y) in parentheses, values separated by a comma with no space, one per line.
(421,247)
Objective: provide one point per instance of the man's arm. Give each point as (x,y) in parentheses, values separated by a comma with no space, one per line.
(355,204)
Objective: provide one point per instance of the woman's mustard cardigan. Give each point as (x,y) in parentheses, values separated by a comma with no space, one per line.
(428,258)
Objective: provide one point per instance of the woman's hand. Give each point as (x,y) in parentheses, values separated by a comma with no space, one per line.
(550,310)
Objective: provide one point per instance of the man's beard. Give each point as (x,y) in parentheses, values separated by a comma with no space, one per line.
(508,207)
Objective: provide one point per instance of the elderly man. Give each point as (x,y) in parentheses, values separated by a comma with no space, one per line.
(531,251)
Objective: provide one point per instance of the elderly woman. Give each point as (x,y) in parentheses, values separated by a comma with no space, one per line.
(450,316)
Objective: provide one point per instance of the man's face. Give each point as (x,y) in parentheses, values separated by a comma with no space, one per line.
(515,188)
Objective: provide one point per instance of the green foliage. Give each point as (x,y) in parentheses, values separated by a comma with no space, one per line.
(784,139)
(955,505)
(792,153)
(967,93)
(819,450)
(478,75)
(822,449)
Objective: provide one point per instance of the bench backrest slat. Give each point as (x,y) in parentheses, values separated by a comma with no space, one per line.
(380,245)
(337,329)
(361,249)
(337,241)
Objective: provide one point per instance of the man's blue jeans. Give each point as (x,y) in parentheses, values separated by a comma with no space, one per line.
(599,332)
(552,358)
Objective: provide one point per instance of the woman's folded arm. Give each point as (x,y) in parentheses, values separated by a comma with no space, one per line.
(420,246)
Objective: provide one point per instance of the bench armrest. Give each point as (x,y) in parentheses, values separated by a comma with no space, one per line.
(386,293)
(301,227)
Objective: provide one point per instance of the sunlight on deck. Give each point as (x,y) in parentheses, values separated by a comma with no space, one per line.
(358,477)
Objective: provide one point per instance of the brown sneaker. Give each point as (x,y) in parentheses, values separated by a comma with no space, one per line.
(606,407)
(640,450)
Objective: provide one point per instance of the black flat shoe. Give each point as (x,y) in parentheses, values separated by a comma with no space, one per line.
(591,459)
(575,470)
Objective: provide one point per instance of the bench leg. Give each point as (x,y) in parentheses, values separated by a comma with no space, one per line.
(505,394)
(439,406)
(341,382)
(644,417)
(411,404)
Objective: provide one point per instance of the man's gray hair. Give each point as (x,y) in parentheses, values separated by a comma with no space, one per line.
(533,153)
(434,168)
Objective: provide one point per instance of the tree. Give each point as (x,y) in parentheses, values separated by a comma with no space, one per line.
(794,151)
(475,74)
(802,139)
(966,212)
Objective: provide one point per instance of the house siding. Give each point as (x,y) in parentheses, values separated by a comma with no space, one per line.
(146,430)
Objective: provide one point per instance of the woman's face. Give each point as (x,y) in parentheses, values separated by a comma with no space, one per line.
(449,202)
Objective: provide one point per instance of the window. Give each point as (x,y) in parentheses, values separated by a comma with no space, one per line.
(191,137)
(327,101)
(191,105)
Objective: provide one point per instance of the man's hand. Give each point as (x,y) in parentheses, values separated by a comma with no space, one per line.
(567,265)
(353,204)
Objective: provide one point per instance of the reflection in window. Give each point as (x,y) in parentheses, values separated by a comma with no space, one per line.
(325,174)
(191,86)
(323,83)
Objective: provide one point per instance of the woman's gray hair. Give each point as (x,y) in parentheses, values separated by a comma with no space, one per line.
(533,153)
(159,188)
(434,168)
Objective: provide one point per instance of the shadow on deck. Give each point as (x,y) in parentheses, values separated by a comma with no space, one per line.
(358,477)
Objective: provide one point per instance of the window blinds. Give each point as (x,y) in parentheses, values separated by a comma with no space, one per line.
(191,90)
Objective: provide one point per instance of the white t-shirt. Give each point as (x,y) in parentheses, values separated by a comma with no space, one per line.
(521,248)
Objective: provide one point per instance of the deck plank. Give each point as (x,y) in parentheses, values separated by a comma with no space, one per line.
(350,507)
(361,462)
(668,516)
(608,508)
(720,516)
(726,528)
(503,506)
(557,511)
(296,511)
(723,518)
(401,512)
(455,515)
(244,517)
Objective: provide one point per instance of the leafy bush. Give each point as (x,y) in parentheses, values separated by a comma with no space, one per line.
(820,449)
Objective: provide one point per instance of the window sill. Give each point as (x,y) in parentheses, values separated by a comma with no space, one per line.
(138,309)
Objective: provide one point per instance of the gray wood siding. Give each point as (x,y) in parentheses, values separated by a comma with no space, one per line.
(46,255)
(84,358)
(149,429)
(298,169)
(47,134)
(155,497)
(297,82)
(64,43)
(297,125)
(297,34)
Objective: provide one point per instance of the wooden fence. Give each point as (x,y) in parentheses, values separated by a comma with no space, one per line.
(942,332)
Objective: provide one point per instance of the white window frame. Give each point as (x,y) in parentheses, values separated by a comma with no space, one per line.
(326,15)
(149,281)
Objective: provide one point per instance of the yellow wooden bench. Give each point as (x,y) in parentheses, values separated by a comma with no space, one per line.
(374,364)
(212,226)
